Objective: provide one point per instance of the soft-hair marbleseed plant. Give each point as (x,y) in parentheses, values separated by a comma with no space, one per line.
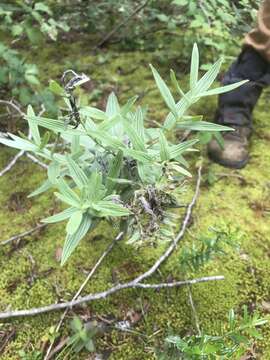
(110,166)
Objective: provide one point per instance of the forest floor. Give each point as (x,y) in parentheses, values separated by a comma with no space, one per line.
(236,200)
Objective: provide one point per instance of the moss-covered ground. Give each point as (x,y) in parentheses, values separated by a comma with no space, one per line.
(30,271)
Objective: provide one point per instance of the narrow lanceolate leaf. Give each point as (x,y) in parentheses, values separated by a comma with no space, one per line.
(181,108)
(194,68)
(164,147)
(67,194)
(175,83)
(177,150)
(51,124)
(94,113)
(137,155)
(180,170)
(207,80)
(128,106)
(63,215)
(164,90)
(74,222)
(112,107)
(76,173)
(139,123)
(202,126)
(106,139)
(33,126)
(56,88)
(53,172)
(223,89)
(41,189)
(135,138)
(95,190)
(18,143)
(114,172)
(108,208)
(73,240)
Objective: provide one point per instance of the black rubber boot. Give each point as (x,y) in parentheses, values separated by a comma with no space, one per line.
(235,108)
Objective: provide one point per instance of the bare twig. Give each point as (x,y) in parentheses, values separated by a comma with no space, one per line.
(12,163)
(124,22)
(12,105)
(136,283)
(89,276)
(104,294)
(22,235)
(194,311)
(37,161)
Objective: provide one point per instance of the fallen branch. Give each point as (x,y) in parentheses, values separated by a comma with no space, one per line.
(124,22)
(22,235)
(103,295)
(136,283)
(89,276)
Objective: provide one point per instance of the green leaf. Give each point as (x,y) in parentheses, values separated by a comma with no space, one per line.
(56,88)
(194,68)
(164,90)
(73,240)
(63,215)
(177,150)
(108,208)
(41,189)
(223,89)
(180,170)
(114,172)
(149,174)
(76,173)
(45,139)
(202,126)
(181,108)
(106,139)
(67,194)
(18,143)
(139,123)
(53,172)
(128,106)
(74,222)
(112,107)
(175,83)
(164,148)
(134,136)
(95,189)
(207,80)
(51,124)
(94,113)
(138,155)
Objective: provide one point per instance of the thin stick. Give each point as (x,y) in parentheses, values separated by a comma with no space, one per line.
(104,294)
(16,157)
(131,284)
(37,161)
(124,22)
(89,276)
(12,163)
(14,106)
(194,311)
(24,234)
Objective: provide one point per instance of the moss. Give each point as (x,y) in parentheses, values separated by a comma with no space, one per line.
(32,276)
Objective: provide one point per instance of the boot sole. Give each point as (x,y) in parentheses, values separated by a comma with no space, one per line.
(229,164)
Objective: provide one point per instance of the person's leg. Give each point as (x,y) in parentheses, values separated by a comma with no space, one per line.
(235,108)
